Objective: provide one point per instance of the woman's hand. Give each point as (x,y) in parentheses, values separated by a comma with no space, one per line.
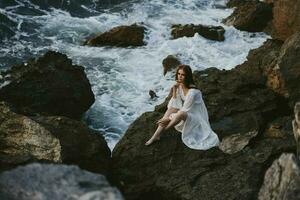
(174,88)
(163,122)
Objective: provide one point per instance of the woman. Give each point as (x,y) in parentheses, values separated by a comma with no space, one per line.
(187,113)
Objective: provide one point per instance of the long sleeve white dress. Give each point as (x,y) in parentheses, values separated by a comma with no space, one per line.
(196,130)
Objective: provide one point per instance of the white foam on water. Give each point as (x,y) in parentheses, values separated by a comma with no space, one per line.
(122,77)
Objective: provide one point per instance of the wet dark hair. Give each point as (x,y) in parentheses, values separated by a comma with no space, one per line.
(188,79)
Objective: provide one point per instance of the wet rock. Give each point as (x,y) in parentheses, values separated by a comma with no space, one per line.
(49,85)
(286,18)
(170,63)
(189,30)
(55,181)
(282,180)
(55,139)
(252,16)
(152,94)
(121,36)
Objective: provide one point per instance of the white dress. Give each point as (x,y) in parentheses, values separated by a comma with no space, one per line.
(196,130)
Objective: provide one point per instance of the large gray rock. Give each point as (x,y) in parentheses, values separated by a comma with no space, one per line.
(282,180)
(49,85)
(50,139)
(55,181)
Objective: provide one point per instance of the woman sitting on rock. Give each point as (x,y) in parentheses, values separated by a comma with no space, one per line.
(187,113)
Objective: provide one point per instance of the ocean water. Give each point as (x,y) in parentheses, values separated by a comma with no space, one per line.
(120,77)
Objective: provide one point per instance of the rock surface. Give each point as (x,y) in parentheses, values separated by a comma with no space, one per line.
(170,63)
(55,181)
(49,85)
(239,101)
(252,16)
(282,180)
(286,18)
(121,36)
(189,30)
(50,139)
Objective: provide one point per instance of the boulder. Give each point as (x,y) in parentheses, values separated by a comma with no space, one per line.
(49,85)
(282,180)
(241,106)
(55,181)
(189,30)
(252,16)
(169,170)
(283,73)
(120,36)
(54,139)
(286,18)
(288,66)
(170,63)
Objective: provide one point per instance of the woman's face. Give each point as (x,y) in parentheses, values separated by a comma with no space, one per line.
(180,76)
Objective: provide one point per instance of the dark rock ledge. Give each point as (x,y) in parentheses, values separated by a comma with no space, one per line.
(189,30)
(253,100)
(120,36)
(48,85)
(38,101)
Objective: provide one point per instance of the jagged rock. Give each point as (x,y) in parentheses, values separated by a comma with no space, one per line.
(282,180)
(49,85)
(250,16)
(169,170)
(235,143)
(121,36)
(286,18)
(55,181)
(283,74)
(239,101)
(189,30)
(169,63)
(152,94)
(54,139)
(296,127)
(279,128)
(289,67)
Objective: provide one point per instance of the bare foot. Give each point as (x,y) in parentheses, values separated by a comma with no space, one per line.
(151,140)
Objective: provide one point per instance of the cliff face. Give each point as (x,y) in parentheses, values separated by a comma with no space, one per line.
(286,18)
(279,18)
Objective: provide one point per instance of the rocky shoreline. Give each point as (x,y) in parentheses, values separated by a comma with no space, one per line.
(250,108)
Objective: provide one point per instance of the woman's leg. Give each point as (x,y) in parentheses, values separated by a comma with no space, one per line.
(181,115)
(160,128)
(169,112)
